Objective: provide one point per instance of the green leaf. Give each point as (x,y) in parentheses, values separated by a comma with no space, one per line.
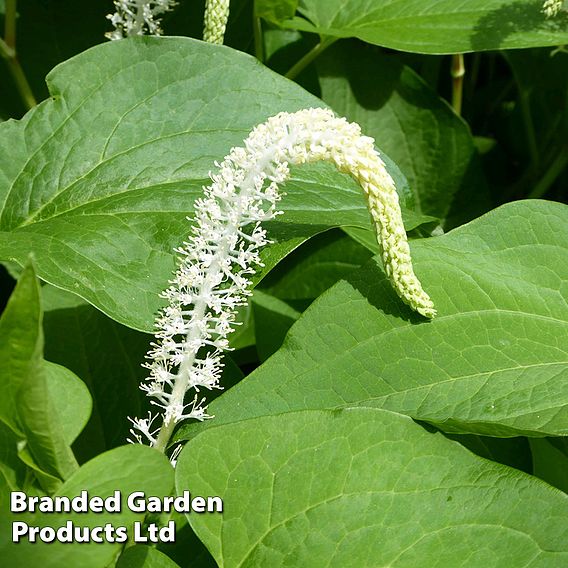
(187,546)
(493,362)
(70,398)
(21,346)
(273,318)
(514,452)
(46,437)
(243,336)
(365,487)
(432,146)
(12,469)
(315,266)
(435,26)
(26,406)
(106,356)
(275,10)
(125,469)
(144,557)
(283,48)
(98,181)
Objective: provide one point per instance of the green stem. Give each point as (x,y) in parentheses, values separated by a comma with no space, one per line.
(529,128)
(258,39)
(474,73)
(457,72)
(8,52)
(10,24)
(316,51)
(18,75)
(555,169)
(529,125)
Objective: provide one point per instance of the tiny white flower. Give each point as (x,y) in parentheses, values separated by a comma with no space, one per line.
(138,17)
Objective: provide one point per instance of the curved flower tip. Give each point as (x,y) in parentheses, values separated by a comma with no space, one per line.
(323,136)
(218,259)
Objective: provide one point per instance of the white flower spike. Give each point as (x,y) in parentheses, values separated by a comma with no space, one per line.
(220,256)
(137,17)
(215,21)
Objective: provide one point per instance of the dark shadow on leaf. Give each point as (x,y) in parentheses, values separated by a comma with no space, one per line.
(472,199)
(371,282)
(283,59)
(339,62)
(514,452)
(74,337)
(188,551)
(279,231)
(515,17)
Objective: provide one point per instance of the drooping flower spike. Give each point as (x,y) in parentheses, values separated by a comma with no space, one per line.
(221,255)
(215,20)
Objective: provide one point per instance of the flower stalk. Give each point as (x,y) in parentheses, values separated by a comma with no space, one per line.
(222,253)
(458,73)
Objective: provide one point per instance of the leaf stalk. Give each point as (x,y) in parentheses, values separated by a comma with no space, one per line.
(315,52)
(457,72)
(8,53)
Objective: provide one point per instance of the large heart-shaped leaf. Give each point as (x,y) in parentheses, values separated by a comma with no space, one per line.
(70,398)
(435,26)
(98,181)
(493,362)
(365,487)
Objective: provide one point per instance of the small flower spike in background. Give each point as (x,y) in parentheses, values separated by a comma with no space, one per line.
(138,17)
(552,7)
(215,21)
(220,256)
